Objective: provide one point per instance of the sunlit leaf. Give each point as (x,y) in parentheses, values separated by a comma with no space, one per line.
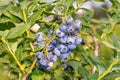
(17,31)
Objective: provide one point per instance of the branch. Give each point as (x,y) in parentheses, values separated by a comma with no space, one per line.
(31,67)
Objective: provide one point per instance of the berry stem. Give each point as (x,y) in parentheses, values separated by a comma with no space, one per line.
(31,45)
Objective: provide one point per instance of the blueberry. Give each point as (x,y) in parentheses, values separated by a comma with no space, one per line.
(63,27)
(50,31)
(78,40)
(70,40)
(39,55)
(50,47)
(44,61)
(50,55)
(40,36)
(64,39)
(63,48)
(64,56)
(41,44)
(56,52)
(54,58)
(55,42)
(60,15)
(59,33)
(77,24)
(47,68)
(71,29)
(74,33)
(39,39)
(69,20)
(72,46)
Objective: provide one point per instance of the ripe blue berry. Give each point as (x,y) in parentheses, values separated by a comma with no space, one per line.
(69,20)
(71,29)
(59,33)
(70,40)
(50,47)
(77,24)
(39,55)
(56,52)
(64,56)
(50,31)
(50,55)
(72,46)
(55,42)
(64,39)
(47,68)
(54,58)
(63,27)
(78,40)
(74,33)
(41,44)
(63,48)
(40,36)
(43,61)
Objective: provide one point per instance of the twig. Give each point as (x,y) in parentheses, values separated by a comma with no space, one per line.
(95,50)
(31,67)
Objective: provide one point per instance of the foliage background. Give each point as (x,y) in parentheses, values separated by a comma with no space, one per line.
(17,52)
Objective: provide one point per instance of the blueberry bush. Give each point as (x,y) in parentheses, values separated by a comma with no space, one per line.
(50,40)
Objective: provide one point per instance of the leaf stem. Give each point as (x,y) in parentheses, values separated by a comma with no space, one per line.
(13,54)
(115,61)
(31,45)
(24,15)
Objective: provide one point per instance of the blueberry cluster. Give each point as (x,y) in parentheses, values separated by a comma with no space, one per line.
(61,47)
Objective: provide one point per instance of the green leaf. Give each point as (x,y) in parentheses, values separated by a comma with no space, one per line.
(112,76)
(4,33)
(83,71)
(58,73)
(4,2)
(94,76)
(38,48)
(24,4)
(16,11)
(4,20)
(98,64)
(37,75)
(6,26)
(31,36)
(35,16)
(19,52)
(14,44)
(4,8)
(115,40)
(17,31)
(75,64)
(116,67)
(110,45)
(12,17)
(31,7)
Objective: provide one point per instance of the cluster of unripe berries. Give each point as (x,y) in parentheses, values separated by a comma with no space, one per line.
(61,47)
